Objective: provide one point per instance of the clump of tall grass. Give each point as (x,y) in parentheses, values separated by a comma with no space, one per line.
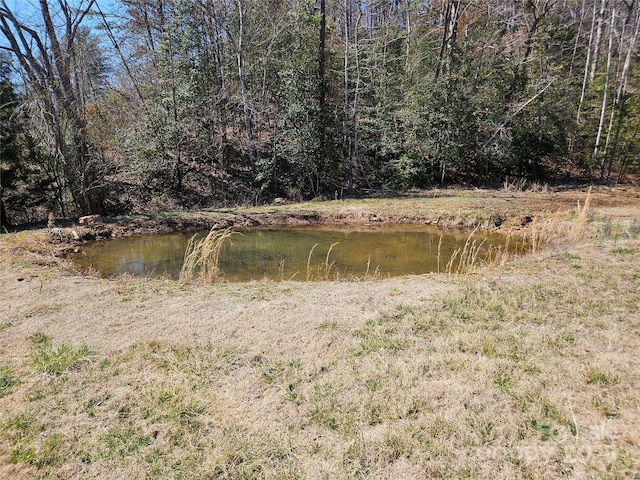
(202,256)
(324,270)
(309,262)
(579,225)
(474,254)
(464,258)
(544,232)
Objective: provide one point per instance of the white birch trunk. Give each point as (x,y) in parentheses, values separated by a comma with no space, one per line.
(598,40)
(586,66)
(605,95)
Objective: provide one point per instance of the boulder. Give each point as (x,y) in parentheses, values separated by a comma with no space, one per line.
(90,220)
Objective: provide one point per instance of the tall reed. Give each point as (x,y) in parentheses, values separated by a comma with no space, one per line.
(466,255)
(202,257)
(309,262)
(578,227)
(327,266)
(324,269)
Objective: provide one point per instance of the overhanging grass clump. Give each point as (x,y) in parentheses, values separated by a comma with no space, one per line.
(202,257)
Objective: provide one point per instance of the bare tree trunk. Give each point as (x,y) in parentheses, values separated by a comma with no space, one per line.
(408,41)
(579,32)
(243,87)
(322,87)
(354,108)
(615,107)
(346,144)
(605,97)
(620,97)
(587,65)
(600,21)
(449,35)
(216,42)
(125,63)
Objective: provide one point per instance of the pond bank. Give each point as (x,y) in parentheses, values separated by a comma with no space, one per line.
(508,212)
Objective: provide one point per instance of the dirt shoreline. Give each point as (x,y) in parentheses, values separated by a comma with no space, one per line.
(496,210)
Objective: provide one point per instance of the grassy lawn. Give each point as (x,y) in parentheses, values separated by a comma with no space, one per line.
(526,369)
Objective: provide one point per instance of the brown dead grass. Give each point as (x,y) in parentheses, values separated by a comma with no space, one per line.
(527,369)
(202,256)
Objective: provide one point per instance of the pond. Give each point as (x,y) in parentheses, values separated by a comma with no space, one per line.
(301,253)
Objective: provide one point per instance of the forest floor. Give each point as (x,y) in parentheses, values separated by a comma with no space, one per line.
(526,368)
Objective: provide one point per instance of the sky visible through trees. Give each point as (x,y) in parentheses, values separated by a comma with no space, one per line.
(139,105)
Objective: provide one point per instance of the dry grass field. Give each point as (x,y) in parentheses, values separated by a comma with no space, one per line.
(526,368)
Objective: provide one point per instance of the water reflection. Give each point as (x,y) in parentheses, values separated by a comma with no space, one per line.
(295,253)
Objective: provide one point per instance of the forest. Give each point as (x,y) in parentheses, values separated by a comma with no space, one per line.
(136,106)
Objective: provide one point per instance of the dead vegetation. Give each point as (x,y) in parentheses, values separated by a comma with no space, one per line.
(202,257)
(523,368)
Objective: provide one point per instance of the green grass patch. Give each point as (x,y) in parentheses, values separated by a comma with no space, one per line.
(382,333)
(376,341)
(202,362)
(598,376)
(328,411)
(544,429)
(125,440)
(327,325)
(503,382)
(624,251)
(21,427)
(7,379)
(56,359)
(5,325)
(19,433)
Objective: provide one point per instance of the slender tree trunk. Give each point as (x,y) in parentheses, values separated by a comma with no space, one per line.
(243,87)
(322,87)
(445,34)
(354,108)
(614,107)
(600,21)
(449,35)
(408,41)
(123,60)
(578,34)
(346,116)
(587,65)
(216,38)
(605,97)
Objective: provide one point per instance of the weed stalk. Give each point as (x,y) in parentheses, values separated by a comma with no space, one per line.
(202,257)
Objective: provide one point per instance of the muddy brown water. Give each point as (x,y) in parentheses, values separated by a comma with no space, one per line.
(300,253)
